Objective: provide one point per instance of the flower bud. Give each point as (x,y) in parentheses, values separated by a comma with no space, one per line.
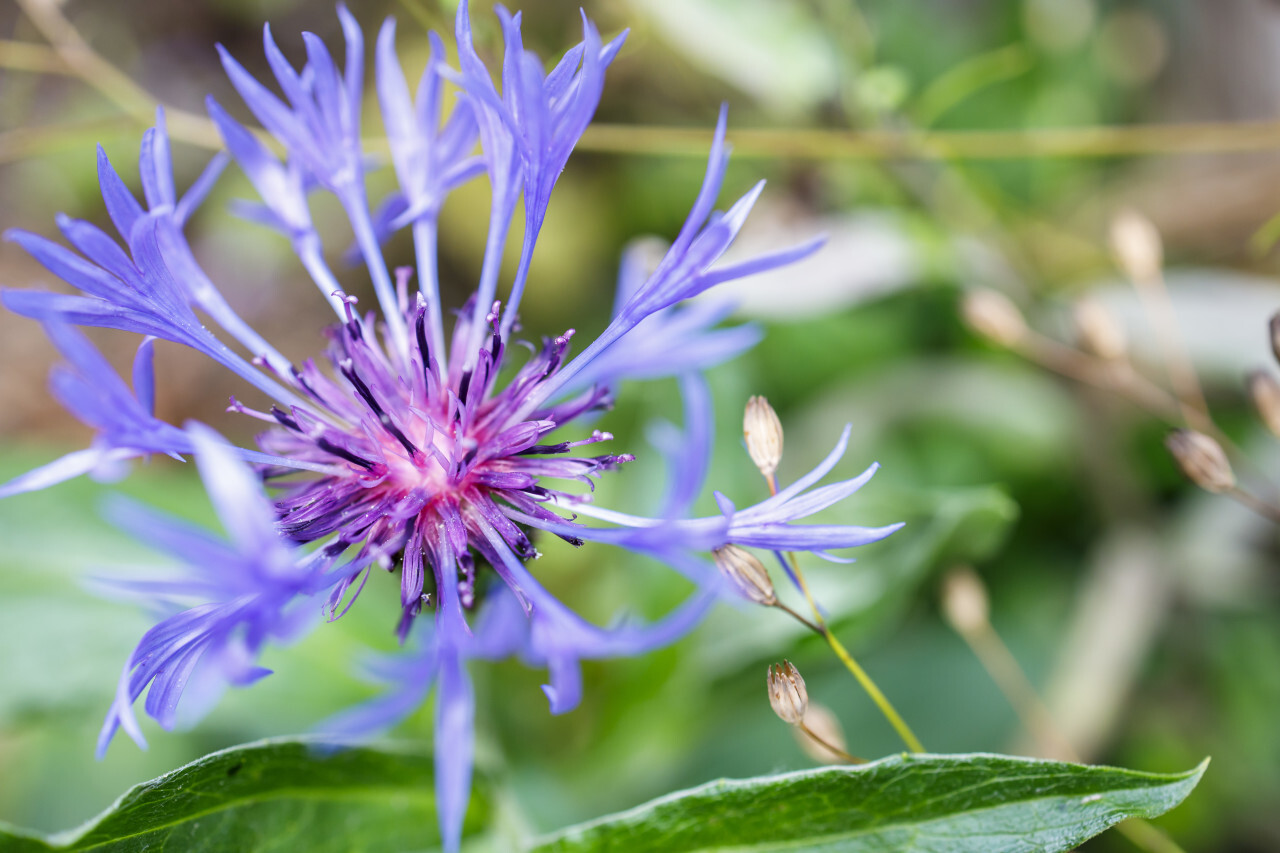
(819,720)
(747,573)
(1136,245)
(1265,391)
(1098,332)
(992,315)
(1202,459)
(964,601)
(763,432)
(787,693)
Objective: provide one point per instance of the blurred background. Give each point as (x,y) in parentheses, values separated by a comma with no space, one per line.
(1142,610)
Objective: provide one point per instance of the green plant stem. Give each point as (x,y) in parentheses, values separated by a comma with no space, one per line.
(819,625)
(1145,836)
(999,662)
(828,746)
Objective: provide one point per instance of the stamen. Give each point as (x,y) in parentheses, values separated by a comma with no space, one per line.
(284,419)
(241,408)
(348,370)
(342,453)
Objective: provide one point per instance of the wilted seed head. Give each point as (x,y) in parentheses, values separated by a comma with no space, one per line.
(747,573)
(822,722)
(1274,328)
(763,432)
(1202,459)
(964,600)
(1098,332)
(787,693)
(1136,245)
(1265,391)
(992,315)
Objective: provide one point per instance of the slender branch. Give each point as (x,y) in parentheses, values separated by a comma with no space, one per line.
(1002,666)
(28,56)
(26,142)
(1011,680)
(828,746)
(75,56)
(1119,377)
(1154,295)
(794,615)
(819,626)
(1263,508)
(835,144)
(118,87)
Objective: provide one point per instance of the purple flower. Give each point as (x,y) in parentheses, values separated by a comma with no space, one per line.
(401,449)
(249,590)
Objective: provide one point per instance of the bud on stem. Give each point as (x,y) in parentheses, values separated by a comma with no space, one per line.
(1137,246)
(747,574)
(1265,391)
(1202,460)
(964,601)
(787,693)
(821,737)
(763,432)
(1098,332)
(992,315)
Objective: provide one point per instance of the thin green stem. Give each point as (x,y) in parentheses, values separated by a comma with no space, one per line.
(819,626)
(794,615)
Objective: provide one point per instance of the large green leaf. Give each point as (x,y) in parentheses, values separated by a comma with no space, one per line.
(272,795)
(906,804)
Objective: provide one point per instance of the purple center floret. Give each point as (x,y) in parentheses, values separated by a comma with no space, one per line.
(420,456)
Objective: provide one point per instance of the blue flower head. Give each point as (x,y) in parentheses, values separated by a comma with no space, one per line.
(401,448)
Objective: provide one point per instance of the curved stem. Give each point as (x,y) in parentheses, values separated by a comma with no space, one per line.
(794,615)
(819,625)
(828,746)
(1267,510)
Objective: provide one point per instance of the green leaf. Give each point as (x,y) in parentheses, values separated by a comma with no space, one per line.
(936,803)
(271,795)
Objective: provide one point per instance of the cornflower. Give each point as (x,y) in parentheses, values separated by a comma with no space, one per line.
(403,450)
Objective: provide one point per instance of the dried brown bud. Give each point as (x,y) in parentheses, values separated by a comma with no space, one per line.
(747,573)
(819,720)
(763,432)
(1098,332)
(992,315)
(787,693)
(1136,245)
(1265,391)
(964,600)
(1202,459)
(1274,328)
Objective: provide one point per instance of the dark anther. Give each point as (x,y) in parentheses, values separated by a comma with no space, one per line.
(285,420)
(420,331)
(329,447)
(383,418)
(562,447)
(463,386)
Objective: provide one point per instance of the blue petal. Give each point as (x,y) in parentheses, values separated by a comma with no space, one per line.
(455,743)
